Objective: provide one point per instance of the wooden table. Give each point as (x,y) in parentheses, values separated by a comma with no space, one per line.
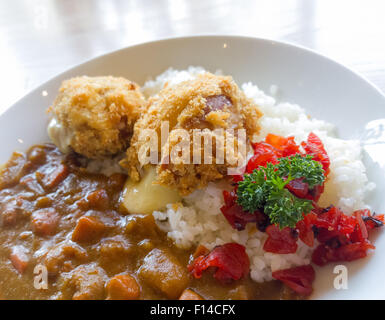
(40,38)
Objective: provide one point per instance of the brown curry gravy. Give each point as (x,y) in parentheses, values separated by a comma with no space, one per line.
(44,195)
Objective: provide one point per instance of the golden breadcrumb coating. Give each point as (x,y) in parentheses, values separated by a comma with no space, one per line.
(99,113)
(208,102)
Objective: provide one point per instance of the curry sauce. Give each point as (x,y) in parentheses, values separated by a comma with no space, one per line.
(57,217)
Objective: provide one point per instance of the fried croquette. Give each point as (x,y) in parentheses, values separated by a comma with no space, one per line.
(208,103)
(95,116)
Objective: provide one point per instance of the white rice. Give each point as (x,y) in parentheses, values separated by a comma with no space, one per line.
(198,220)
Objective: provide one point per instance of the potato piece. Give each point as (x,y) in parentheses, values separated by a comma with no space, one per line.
(63,254)
(85,282)
(45,221)
(162,271)
(142,226)
(19,258)
(145,197)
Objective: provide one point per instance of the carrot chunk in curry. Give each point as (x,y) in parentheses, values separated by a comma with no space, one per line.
(123,287)
(88,229)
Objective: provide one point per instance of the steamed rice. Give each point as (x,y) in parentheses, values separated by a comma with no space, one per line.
(198,220)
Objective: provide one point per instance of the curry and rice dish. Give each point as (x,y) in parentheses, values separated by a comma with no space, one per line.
(189,188)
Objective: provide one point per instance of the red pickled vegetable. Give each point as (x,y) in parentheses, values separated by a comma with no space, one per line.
(335,220)
(371,221)
(360,232)
(329,219)
(286,146)
(324,235)
(315,193)
(347,252)
(230,260)
(299,188)
(300,279)
(314,146)
(280,241)
(342,237)
(263,153)
(305,229)
(234,213)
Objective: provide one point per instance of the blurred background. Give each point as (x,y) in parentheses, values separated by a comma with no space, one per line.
(41,38)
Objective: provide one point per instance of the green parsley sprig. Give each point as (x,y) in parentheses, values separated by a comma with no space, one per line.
(297,166)
(264,189)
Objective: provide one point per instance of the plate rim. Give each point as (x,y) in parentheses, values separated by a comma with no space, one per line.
(286,44)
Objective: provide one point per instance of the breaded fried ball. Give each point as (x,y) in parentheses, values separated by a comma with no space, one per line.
(208,102)
(95,116)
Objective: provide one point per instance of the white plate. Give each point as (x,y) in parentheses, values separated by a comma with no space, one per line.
(326,89)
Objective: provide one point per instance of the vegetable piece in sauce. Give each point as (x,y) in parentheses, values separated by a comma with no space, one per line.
(162,271)
(85,282)
(62,255)
(19,258)
(13,170)
(88,229)
(45,221)
(189,294)
(230,260)
(97,200)
(122,287)
(55,176)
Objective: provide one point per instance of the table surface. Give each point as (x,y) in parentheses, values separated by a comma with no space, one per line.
(41,38)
